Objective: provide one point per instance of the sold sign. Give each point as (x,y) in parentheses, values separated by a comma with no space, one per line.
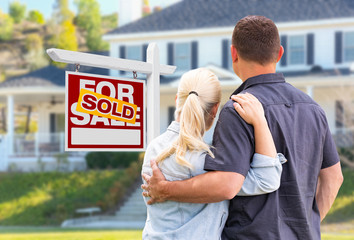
(101,105)
(104,113)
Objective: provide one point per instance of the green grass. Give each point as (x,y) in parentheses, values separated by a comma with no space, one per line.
(68,234)
(21,233)
(47,199)
(343,207)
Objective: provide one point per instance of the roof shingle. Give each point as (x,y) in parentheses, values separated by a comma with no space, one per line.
(192,14)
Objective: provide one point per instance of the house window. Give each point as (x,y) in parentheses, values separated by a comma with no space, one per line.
(133,53)
(348,46)
(57,122)
(171,114)
(182,56)
(296,49)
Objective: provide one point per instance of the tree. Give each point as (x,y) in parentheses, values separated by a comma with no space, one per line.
(89,19)
(35,52)
(67,38)
(17,11)
(36,17)
(6,26)
(62,12)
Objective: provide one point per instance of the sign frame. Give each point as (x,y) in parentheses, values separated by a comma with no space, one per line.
(110,149)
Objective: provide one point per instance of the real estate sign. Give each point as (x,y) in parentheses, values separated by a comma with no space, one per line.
(104,113)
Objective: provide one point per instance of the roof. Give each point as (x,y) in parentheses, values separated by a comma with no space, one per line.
(49,76)
(193,14)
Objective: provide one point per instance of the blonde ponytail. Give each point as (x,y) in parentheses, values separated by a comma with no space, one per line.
(198,92)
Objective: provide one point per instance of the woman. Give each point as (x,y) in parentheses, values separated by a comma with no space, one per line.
(180,153)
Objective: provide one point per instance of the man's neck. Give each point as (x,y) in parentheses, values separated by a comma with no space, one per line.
(253,69)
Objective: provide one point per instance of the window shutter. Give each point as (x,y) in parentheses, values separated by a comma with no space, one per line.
(121,55)
(144,49)
(338,47)
(170,56)
(194,54)
(310,49)
(52,123)
(225,56)
(283,41)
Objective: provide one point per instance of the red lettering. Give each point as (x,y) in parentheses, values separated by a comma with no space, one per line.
(114,110)
(127,115)
(89,102)
(108,105)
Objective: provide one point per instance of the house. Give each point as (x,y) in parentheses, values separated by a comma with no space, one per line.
(44,91)
(317,35)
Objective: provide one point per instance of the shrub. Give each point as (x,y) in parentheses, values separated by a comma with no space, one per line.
(36,17)
(104,160)
(17,11)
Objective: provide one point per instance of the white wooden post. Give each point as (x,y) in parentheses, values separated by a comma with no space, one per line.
(153,93)
(36,144)
(10,124)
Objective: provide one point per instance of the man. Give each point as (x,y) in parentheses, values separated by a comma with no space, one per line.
(312,176)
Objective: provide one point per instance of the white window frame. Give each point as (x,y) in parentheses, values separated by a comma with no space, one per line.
(344,48)
(175,56)
(289,51)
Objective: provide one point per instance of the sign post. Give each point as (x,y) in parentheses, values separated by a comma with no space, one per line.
(152,68)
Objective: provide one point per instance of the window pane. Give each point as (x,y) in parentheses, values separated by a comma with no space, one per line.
(182,56)
(133,52)
(349,46)
(296,49)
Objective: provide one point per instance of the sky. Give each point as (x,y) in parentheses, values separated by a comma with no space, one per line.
(46,6)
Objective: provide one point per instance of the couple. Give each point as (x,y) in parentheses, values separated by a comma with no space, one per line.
(231,190)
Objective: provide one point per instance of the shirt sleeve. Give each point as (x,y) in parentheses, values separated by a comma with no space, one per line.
(263,176)
(330,153)
(233,143)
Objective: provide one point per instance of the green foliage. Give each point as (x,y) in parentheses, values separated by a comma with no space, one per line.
(110,21)
(105,160)
(89,19)
(36,17)
(62,12)
(48,198)
(33,42)
(6,26)
(17,11)
(21,233)
(347,152)
(67,38)
(343,207)
(20,129)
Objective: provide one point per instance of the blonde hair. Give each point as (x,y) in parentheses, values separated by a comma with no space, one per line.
(198,92)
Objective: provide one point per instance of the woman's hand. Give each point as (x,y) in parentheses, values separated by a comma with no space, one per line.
(249,108)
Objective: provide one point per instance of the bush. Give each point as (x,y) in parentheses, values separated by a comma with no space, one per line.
(36,17)
(104,160)
(6,26)
(17,11)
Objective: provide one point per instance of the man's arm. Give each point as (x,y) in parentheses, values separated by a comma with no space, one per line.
(329,181)
(214,186)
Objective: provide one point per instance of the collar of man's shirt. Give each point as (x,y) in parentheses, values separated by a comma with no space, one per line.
(260,79)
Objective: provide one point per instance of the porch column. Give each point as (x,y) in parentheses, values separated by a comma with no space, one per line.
(309,91)
(10,124)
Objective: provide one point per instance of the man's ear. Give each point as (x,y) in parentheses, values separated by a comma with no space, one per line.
(281,52)
(234,54)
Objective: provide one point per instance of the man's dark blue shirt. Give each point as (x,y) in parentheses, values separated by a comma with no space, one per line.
(300,131)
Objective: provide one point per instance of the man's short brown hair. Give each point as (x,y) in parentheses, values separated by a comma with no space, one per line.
(256,39)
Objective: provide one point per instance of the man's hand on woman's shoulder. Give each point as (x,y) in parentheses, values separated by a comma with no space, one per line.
(155,186)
